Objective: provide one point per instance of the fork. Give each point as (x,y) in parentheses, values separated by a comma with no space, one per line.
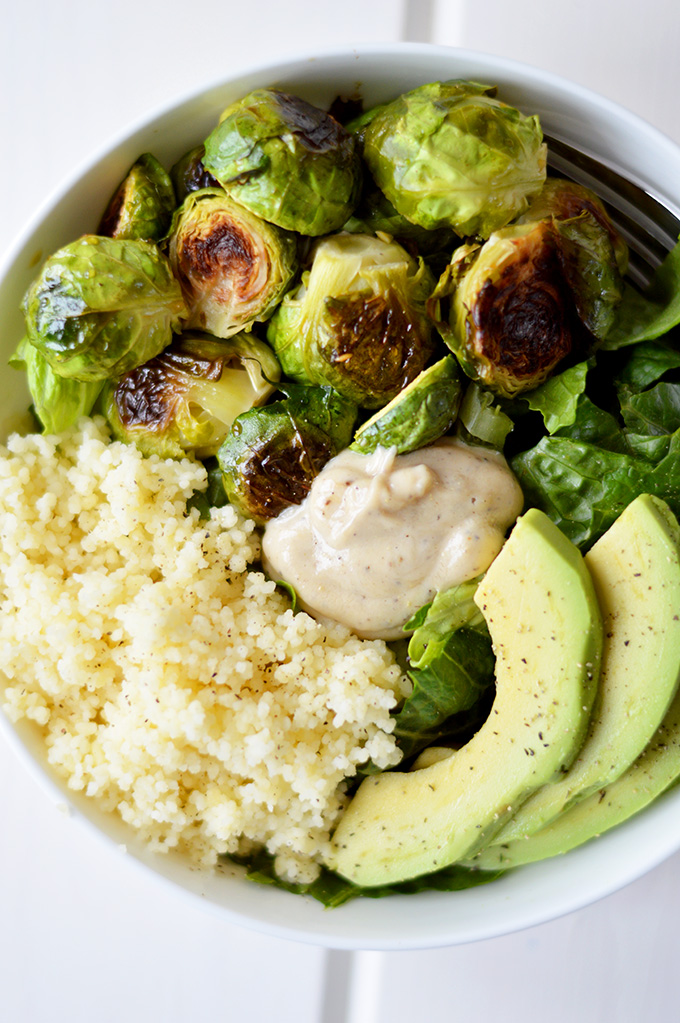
(650,223)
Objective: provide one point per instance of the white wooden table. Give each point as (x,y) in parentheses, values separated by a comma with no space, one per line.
(82,938)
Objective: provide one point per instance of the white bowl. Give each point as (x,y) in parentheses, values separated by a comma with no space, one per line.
(530,895)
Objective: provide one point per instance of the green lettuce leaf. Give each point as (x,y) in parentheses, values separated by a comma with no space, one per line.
(557,399)
(649,315)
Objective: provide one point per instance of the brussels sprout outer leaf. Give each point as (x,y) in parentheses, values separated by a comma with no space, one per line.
(186,399)
(142,205)
(58,402)
(287,161)
(483,421)
(233,266)
(419,415)
(101,306)
(448,154)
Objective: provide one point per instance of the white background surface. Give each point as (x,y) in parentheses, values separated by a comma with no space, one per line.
(82,936)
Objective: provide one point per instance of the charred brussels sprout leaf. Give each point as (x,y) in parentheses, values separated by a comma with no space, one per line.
(419,414)
(143,203)
(449,154)
(358,320)
(233,266)
(186,399)
(286,160)
(189,174)
(101,306)
(58,402)
(272,454)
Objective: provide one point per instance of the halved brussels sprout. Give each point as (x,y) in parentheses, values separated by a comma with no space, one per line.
(535,292)
(233,266)
(358,319)
(593,254)
(101,306)
(448,154)
(186,399)
(419,414)
(273,454)
(58,402)
(142,205)
(286,160)
(511,318)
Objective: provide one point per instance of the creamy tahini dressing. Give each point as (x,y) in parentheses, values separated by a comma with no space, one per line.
(379,535)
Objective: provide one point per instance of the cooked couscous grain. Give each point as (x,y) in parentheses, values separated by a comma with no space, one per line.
(171,683)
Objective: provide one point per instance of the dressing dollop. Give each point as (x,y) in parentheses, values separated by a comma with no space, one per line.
(379,535)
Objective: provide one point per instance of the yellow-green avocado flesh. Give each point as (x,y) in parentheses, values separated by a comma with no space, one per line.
(636,573)
(650,609)
(540,606)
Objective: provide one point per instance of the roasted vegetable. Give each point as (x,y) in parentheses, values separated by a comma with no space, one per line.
(357,321)
(272,454)
(537,291)
(58,402)
(449,154)
(142,205)
(287,161)
(101,306)
(186,399)
(233,266)
(189,174)
(419,414)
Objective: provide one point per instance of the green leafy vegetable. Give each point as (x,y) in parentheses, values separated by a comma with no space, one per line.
(481,420)
(557,399)
(58,402)
(101,306)
(332,890)
(644,317)
(448,154)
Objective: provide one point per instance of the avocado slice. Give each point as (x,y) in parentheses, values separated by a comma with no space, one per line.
(636,572)
(540,606)
(655,770)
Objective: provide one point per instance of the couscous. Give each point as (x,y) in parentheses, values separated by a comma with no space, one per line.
(172,682)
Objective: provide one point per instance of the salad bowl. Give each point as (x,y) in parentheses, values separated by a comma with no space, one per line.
(520,898)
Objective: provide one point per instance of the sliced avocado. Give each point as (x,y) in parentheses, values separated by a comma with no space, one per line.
(540,606)
(420,414)
(636,572)
(655,770)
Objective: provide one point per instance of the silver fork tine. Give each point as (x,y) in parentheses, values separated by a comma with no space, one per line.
(649,223)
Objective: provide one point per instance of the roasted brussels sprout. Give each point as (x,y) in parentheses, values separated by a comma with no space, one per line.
(419,414)
(593,254)
(357,321)
(189,174)
(233,266)
(272,454)
(58,402)
(534,293)
(142,205)
(101,306)
(449,154)
(186,399)
(511,317)
(286,160)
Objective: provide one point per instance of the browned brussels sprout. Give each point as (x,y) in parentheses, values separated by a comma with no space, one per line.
(186,399)
(189,174)
(536,292)
(233,266)
(357,321)
(288,161)
(142,205)
(273,454)
(449,154)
